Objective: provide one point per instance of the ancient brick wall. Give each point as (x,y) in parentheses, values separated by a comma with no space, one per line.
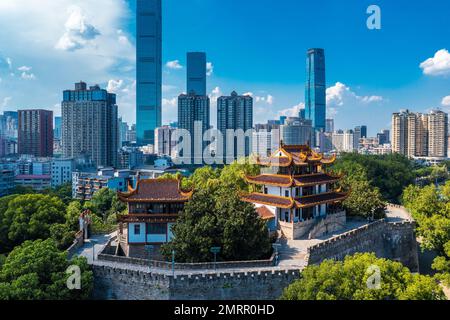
(117,284)
(395,241)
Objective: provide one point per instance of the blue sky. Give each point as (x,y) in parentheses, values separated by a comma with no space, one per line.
(254,46)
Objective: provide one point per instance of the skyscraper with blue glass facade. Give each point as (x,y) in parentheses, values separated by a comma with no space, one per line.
(315,96)
(149,69)
(196,73)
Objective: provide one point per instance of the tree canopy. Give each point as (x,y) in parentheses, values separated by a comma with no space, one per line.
(37,271)
(430,207)
(364,200)
(355,278)
(28,217)
(389,173)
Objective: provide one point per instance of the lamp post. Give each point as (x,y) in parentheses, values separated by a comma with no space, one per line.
(173,263)
(93,249)
(215,250)
(275,246)
(149,249)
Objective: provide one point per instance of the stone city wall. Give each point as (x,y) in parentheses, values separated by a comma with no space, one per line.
(395,241)
(117,284)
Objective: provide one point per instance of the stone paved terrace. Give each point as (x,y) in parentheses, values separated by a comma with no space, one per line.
(292,252)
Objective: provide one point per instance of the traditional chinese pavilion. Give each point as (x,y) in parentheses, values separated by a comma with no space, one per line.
(153,207)
(298,191)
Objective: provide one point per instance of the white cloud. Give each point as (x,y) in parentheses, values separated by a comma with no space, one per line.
(5,102)
(175,64)
(438,65)
(446,101)
(78,31)
(209,68)
(340,95)
(114,85)
(269,99)
(24,68)
(292,112)
(28,76)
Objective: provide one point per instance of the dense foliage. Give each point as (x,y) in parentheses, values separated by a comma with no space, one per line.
(364,200)
(216,217)
(430,207)
(389,173)
(28,217)
(37,271)
(348,280)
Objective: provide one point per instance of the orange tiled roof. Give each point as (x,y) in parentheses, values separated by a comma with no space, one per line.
(264,213)
(156,190)
(271,179)
(289,203)
(314,179)
(270,200)
(294,154)
(323,198)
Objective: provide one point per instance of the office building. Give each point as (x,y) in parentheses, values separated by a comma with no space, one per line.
(148,69)
(36,133)
(234,118)
(6,181)
(193,116)
(329,126)
(165,141)
(57,133)
(35,182)
(315,96)
(196,73)
(130,158)
(384,137)
(89,119)
(61,171)
(297,131)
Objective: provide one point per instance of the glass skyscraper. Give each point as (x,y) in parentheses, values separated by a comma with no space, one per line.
(196,73)
(149,69)
(315,96)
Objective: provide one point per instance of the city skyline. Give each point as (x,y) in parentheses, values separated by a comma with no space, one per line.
(361,81)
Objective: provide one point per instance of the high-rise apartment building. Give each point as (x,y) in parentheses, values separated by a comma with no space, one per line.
(235,112)
(90,124)
(196,73)
(420,135)
(343,141)
(36,133)
(194,116)
(315,96)
(437,134)
(148,69)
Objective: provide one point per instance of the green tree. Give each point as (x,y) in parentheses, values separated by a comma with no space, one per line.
(62,235)
(348,280)
(63,192)
(389,173)
(37,271)
(430,207)
(364,199)
(218,219)
(104,203)
(29,217)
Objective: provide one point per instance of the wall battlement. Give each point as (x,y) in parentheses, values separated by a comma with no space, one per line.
(391,240)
